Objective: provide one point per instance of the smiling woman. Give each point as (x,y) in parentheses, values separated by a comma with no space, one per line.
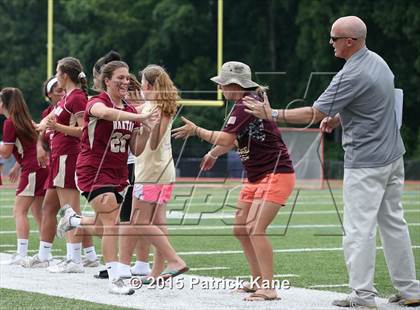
(111,128)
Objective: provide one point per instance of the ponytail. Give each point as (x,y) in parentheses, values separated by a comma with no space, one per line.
(83,83)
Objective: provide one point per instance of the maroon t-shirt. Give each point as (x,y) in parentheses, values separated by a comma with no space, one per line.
(23,150)
(66,111)
(260,146)
(105,144)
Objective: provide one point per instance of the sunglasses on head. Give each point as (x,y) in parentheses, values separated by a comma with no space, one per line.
(337,38)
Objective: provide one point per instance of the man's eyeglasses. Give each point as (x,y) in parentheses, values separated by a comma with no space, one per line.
(337,38)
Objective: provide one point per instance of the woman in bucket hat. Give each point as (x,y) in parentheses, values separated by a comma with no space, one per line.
(270,175)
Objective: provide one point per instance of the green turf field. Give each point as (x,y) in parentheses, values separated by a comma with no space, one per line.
(307,252)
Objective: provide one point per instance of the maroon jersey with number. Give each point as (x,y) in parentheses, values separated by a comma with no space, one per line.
(260,146)
(68,108)
(23,150)
(104,148)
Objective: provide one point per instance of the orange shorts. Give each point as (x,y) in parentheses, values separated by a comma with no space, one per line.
(274,188)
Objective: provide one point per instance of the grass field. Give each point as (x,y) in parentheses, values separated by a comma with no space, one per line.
(308,251)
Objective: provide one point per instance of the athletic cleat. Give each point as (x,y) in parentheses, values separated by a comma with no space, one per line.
(90,263)
(118,287)
(63,226)
(36,262)
(16,259)
(67,266)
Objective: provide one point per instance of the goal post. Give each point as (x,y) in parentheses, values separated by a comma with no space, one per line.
(306,149)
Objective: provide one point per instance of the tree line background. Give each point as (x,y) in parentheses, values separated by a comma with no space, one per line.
(285,36)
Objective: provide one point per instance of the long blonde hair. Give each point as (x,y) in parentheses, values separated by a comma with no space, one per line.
(166,94)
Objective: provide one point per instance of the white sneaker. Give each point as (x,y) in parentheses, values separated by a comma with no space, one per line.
(90,263)
(63,225)
(118,287)
(36,262)
(67,267)
(16,259)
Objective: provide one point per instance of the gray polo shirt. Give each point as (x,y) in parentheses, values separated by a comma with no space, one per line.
(363,93)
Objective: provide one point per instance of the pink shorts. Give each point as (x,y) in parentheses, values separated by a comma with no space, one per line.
(31,183)
(62,171)
(155,193)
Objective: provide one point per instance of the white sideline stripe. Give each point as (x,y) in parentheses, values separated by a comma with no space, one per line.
(275,251)
(198,227)
(86,287)
(229,214)
(291,275)
(7,245)
(208,268)
(219,204)
(328,285)
(36,251)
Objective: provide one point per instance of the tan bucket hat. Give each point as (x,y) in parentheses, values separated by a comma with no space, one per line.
(235,72)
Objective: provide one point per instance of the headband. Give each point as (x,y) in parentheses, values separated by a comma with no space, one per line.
(50,84)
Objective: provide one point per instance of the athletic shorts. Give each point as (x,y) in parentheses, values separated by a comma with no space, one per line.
(125,212)
(31,183)
(153,193)
(62,171)
(119,196)
(89,179)
(274,188)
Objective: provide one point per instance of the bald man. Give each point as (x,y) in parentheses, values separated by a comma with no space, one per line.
(360,98)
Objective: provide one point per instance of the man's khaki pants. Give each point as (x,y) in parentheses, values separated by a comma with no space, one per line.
(372,196)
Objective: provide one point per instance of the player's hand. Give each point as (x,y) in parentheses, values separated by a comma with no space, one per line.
(257,108)
(134,97)
(207,162)
(41,156)
(51,123)
(189,129)
(14,173)
(150,119)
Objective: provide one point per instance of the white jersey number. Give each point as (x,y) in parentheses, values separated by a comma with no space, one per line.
(119,142)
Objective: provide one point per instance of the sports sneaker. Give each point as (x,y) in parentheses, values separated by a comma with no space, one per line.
(350,303)
(67,266)
(397,298)
(90,263)
(63,226)
(118,287)
(16,259)
(36,262)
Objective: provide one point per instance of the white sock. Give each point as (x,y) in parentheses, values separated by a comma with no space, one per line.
(68,255)
(44,250)
(124,270)
(112,268)
(142,267)
(75,221)
(22,247)
(90,253)
(76,252)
